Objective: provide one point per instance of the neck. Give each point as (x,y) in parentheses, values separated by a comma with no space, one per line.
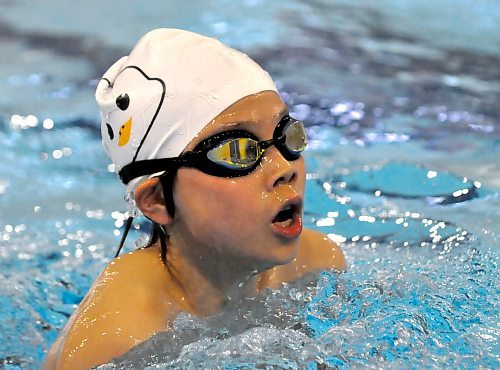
(204,283)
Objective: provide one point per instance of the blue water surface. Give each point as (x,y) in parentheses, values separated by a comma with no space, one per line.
(400,99)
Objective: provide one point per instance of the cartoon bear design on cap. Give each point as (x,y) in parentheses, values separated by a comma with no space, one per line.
(134,100)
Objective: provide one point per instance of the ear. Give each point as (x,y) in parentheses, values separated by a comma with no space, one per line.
(149,199)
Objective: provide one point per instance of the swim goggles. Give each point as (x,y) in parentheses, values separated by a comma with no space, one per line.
(231,153)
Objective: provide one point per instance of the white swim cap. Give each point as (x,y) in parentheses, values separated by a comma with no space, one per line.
(174,82)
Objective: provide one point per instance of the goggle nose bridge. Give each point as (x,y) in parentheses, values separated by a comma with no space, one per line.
(278,142)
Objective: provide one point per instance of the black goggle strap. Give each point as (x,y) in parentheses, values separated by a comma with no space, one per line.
(159,229)
(128,225)
(150,166)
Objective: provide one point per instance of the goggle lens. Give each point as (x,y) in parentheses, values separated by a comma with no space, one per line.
(295,137)
(235,153)
(242,153)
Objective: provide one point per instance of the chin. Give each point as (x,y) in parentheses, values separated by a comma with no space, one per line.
(266,264)
(272,253)
(285,254)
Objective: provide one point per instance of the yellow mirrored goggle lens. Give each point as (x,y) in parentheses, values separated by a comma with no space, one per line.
(235,153)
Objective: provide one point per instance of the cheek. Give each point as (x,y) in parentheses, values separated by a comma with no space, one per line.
(215,203)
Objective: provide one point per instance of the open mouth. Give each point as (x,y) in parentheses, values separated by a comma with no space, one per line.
(284,217)
(288,221)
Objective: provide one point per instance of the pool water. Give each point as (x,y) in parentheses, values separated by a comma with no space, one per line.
(400,103)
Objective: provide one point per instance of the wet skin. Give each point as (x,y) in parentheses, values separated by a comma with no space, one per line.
(223,246)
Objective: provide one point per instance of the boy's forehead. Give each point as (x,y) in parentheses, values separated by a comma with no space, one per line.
(262,106)
(259,109)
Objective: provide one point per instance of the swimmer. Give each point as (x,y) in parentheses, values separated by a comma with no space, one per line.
(209,153)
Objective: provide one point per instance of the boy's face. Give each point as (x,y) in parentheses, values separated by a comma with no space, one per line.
(237,217)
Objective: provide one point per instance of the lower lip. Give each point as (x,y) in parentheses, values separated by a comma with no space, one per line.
(291,231)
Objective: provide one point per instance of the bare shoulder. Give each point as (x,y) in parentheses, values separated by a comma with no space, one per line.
(319,252)
(316,252)
(126,305)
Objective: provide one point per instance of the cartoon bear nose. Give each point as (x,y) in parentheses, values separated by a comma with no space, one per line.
(123,101)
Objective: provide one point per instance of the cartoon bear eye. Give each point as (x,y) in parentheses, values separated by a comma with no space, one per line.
(123,101)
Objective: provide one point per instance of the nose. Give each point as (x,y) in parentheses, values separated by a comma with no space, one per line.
(279,171)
